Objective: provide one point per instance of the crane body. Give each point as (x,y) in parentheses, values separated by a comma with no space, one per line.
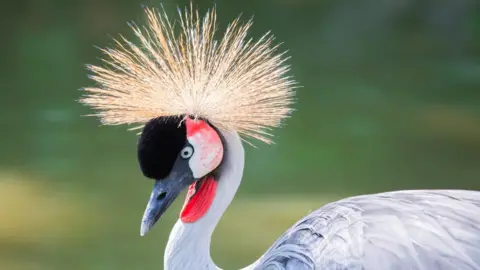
(412,229)
(195,97)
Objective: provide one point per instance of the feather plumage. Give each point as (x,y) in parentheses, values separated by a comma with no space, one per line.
(236,83)
(417,229)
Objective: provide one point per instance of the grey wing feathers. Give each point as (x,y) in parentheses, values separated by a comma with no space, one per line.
(415,230)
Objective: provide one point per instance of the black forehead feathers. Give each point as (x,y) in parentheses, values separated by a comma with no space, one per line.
(159,144)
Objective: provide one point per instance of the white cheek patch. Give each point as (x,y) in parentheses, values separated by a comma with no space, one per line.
(208,152)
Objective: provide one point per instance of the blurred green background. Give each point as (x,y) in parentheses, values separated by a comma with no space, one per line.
(390,100)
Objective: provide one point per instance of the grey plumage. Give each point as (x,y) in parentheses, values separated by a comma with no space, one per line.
(424,230)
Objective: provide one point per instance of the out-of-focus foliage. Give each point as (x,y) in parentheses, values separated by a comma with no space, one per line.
(390,100)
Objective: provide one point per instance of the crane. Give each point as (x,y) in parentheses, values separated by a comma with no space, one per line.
(196,100)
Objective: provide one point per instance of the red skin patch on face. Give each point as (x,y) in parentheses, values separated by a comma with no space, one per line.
(195,126)
(208,153)
(201,130)
(197,203)
(208,147)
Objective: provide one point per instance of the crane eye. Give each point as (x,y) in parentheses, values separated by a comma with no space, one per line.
(186,152)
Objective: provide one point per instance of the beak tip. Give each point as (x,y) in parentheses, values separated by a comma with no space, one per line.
(144,228)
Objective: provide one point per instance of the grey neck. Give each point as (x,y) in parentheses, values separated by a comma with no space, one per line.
(188,246)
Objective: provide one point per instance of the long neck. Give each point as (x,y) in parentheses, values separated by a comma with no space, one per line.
(188,246)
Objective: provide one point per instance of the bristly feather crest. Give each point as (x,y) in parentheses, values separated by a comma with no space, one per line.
(235,83)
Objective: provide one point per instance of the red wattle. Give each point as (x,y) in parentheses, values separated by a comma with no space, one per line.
(197,203)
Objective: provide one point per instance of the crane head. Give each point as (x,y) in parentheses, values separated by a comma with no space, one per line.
(178,153)
(178,74)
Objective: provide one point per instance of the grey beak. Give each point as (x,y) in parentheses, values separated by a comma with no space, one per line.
(164,193)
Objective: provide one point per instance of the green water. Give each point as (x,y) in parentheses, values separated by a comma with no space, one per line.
(389,100)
